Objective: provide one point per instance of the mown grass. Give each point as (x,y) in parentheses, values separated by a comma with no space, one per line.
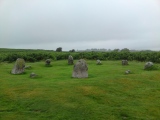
(108,93)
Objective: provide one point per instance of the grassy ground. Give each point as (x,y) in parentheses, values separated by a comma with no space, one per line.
(108,94)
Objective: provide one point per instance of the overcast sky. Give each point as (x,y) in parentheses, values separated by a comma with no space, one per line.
(80,24)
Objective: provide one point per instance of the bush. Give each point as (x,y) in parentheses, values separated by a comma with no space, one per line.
(31,59)
(11,55)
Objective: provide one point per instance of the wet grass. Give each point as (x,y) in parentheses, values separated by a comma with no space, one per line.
(108,93)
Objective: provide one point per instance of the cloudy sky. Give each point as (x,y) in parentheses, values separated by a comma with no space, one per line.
(80,24)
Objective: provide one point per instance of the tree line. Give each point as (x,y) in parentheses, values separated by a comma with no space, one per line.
(10,55)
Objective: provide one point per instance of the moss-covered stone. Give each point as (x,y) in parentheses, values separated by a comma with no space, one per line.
(70,60)
(19,66)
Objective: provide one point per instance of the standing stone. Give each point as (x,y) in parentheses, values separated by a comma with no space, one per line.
(19,66)
(70,60)
(80,69)
(148,65)
(99,62)
(48,62)
(124,62)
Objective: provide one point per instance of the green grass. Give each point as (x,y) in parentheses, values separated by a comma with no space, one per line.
(108,93)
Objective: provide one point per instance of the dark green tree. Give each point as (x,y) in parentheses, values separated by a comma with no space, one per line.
(73,50)
(59,49)
(116,50)
(125,50)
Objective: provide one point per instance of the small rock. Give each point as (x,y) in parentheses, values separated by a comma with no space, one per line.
(28,67)
(99,62)
(127,72)
(124,62)
(32,75)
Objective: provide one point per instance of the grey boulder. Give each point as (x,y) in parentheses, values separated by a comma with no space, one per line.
(148,65)
(48,62)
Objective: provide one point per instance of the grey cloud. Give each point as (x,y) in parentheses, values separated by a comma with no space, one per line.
(60,22)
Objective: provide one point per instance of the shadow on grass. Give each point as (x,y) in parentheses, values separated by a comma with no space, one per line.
(48,65)
(36,77)
(9,72)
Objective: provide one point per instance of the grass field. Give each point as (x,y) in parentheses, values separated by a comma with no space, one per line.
(108,94)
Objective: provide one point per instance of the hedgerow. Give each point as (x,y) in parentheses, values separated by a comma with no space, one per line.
(11,55)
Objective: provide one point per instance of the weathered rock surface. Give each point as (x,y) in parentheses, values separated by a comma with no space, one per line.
(124,62)
(19,66)
(48,62)
(99,62)
(148,65)
(80,69)
(70,60)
